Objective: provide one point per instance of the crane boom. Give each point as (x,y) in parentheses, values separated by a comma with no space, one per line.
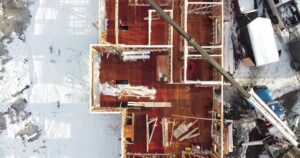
(249,96)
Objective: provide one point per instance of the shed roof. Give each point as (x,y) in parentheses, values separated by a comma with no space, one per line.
(263,42)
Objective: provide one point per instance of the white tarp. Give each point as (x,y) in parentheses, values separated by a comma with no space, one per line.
(263,42)
(127,90)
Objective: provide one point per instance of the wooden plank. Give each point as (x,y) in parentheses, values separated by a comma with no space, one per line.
(165,131)
(227,47)
(150,104)
(96,24)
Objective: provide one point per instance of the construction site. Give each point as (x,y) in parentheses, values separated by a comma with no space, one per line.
(150,78)
(170,97)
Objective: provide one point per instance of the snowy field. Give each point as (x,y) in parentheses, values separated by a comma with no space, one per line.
(50,71)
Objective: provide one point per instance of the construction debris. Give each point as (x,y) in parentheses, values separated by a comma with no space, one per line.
(183,128)
(190,135)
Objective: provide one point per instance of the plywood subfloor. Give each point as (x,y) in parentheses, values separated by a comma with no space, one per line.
(200,27)
(136,20)
(187,101)
(202,70)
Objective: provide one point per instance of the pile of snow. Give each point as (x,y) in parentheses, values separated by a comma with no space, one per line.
(53,61)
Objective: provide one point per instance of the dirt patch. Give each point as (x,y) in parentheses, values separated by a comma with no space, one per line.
(2,122)
(21,91)
(15,17)
(235,105)
(19,105)
(3,51)
(30,133)
(14,20)
(17,112)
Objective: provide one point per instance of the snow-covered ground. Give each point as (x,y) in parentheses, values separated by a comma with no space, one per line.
(53,61)
(278,76)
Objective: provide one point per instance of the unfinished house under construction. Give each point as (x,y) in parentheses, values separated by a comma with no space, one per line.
(170,97)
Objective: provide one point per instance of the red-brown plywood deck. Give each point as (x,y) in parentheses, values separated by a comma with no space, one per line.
(202,70)
(178,54)
(200,27)
(159,32)
(185,99)
(136,20)
(144,73)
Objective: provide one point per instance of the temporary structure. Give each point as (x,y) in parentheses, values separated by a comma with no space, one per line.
(263,42)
